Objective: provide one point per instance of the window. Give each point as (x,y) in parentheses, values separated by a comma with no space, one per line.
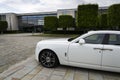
(2,17)
(94,39)
(114,39)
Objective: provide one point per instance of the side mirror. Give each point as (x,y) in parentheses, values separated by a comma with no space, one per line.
(81,41)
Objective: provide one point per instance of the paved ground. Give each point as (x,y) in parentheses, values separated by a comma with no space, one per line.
(30,69)
(19,47)
(15,48)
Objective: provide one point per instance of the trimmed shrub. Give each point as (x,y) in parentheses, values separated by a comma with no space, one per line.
(87,16)
(66,21)
(3,25)
(50,23)
(114,16)
(103,21)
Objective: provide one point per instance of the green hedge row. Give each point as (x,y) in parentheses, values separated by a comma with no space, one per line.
(50,23)
(3,25)
(103,24)
(87,16)
(66,21)
(114,16)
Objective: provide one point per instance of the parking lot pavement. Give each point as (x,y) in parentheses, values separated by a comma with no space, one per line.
(30,69)
(16,47)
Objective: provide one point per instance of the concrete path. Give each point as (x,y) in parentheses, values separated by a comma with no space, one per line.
(30,69)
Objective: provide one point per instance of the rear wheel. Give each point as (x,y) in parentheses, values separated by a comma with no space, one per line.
(48,59)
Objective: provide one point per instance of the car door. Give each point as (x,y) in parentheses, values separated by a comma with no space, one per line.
(111,52)
(88,53)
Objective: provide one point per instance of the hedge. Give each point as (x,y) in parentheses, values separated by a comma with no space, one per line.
(66,21)
(3,25)
(87,16)
(51,23)
(114,16)
(103,21)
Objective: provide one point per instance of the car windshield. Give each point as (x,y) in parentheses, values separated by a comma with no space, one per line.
(70,39)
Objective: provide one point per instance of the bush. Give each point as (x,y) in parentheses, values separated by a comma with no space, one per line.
(66,21)
(103,21)
(51,23)
(87,16)
(114,16)
(3,26)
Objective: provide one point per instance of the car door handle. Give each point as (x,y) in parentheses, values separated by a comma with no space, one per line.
(103,49)
(107,49)
(97,48)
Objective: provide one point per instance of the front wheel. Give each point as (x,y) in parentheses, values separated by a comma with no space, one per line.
(48,59)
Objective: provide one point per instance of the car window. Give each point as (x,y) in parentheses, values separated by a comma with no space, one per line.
(94,39)
(114,39)
(70,39)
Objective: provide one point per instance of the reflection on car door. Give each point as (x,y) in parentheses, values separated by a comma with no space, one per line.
(88,53)
(111,52)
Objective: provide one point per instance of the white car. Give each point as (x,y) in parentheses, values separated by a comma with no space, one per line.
(95,49)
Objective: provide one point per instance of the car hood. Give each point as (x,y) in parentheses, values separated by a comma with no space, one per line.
(55,40)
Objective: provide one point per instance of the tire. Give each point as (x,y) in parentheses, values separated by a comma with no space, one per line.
(48,59)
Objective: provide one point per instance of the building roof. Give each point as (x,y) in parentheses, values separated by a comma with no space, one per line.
(36,13)
(67,9)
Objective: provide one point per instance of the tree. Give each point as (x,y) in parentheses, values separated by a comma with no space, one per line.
(103,21)
(50,23)
(66,21)
(87,16)
(3,26)
(114,16)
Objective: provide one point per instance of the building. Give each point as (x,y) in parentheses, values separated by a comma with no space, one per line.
(32,21)
(35,21)
(71,12)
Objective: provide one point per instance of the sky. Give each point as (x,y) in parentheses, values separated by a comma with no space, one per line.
(28,6)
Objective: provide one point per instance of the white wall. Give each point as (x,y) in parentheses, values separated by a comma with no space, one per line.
(66,12)
(12,20)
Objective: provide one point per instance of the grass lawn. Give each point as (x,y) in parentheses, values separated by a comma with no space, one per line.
(56,35)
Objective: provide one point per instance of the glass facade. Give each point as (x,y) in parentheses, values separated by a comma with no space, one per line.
(32,22)
(2,17)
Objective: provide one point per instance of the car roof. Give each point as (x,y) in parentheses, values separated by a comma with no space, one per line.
(105,31)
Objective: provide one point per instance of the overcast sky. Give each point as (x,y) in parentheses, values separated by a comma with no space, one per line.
(27,6)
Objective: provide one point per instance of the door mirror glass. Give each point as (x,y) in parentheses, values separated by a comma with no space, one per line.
(81,41)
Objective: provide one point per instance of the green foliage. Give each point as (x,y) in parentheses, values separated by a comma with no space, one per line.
(114,15)
(87,16)
(66,21)
(3,25)
(74,23)
(103,21)
(50,23)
